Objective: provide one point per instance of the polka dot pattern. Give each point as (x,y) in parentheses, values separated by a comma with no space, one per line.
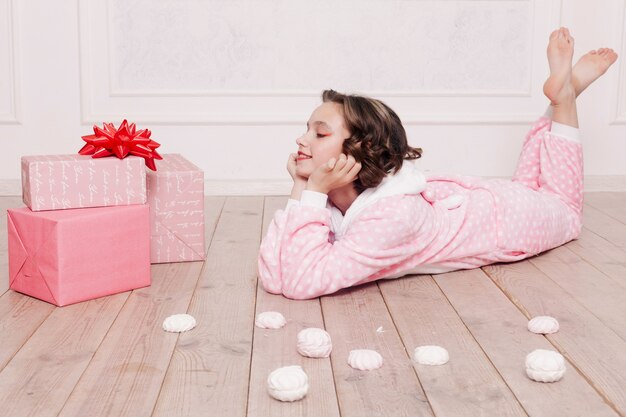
(491,221)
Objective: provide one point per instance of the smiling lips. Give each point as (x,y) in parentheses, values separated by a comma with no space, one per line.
(302,156)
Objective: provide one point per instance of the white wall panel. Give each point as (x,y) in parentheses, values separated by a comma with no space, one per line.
(620,102)
(213,47)
(250,61)
(8,75)
(231,83)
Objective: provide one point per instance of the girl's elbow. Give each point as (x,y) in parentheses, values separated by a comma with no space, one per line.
(299,292)
(271,288)
(268,281)
(297,296)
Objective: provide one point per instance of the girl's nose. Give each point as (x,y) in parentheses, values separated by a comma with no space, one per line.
(300,140)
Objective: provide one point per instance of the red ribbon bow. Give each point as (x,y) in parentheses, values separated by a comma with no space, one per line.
(121,142)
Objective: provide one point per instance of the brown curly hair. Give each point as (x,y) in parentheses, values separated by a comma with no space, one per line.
(377,138)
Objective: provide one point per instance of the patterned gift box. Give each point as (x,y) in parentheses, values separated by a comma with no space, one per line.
(67,256)
(53,182)
(176,199)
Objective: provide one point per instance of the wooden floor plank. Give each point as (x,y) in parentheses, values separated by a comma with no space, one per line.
(468,385)
(131,366)
(592,347)
(604,225)
(125,375)
(40,378)
(209,370)
(276,348)
(501,330)
(611,203)
(5,203)
(602,254)
(597,292)
(20,317)
(213,206)
(352,318)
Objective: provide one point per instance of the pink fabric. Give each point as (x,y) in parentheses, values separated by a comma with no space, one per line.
(488,221)
(176,199)
(67,256)
(52,182)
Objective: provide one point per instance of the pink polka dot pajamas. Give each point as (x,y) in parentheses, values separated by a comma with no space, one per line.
(453,222)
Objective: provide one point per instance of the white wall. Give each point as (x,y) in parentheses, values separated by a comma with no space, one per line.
(231,83)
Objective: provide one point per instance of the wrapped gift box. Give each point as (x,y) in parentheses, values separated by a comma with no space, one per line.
(67,256)
(176,200)
(52,182)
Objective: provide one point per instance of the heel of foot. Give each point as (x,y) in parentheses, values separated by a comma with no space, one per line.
(559,91)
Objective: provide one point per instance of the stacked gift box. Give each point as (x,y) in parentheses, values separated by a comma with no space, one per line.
(93,223)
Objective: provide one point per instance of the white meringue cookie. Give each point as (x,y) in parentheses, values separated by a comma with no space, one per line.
(543,325)
(289,383)
(179,323)
(270,320)
(545,365)
(314,343)
(431,355)
(365,359)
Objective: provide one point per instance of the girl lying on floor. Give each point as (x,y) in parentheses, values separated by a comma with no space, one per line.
(360,210)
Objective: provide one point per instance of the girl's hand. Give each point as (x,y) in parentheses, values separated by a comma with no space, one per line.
(299,182)
(291,168)
(334,174)
(291,165)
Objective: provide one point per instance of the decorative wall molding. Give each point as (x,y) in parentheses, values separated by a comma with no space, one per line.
(10,187)
(11,37)
(593,183)
(315,93)
(247,187)
(620,100)
(103,100)
(615,183)
(229,119)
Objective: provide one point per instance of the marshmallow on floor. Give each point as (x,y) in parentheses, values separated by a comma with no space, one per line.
(270,320)
(179,323)
(289,383)
(545,365)
(431,355)
(314,343)
(365,359)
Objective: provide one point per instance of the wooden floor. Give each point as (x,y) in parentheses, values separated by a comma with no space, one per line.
(110,357)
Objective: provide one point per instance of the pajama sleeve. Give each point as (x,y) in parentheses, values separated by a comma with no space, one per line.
(298,260)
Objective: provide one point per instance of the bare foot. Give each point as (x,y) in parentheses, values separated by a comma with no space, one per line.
(558,87)
(590,67)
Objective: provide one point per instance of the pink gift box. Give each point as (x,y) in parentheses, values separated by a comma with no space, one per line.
(67,256)
(176,199)
(53,182)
